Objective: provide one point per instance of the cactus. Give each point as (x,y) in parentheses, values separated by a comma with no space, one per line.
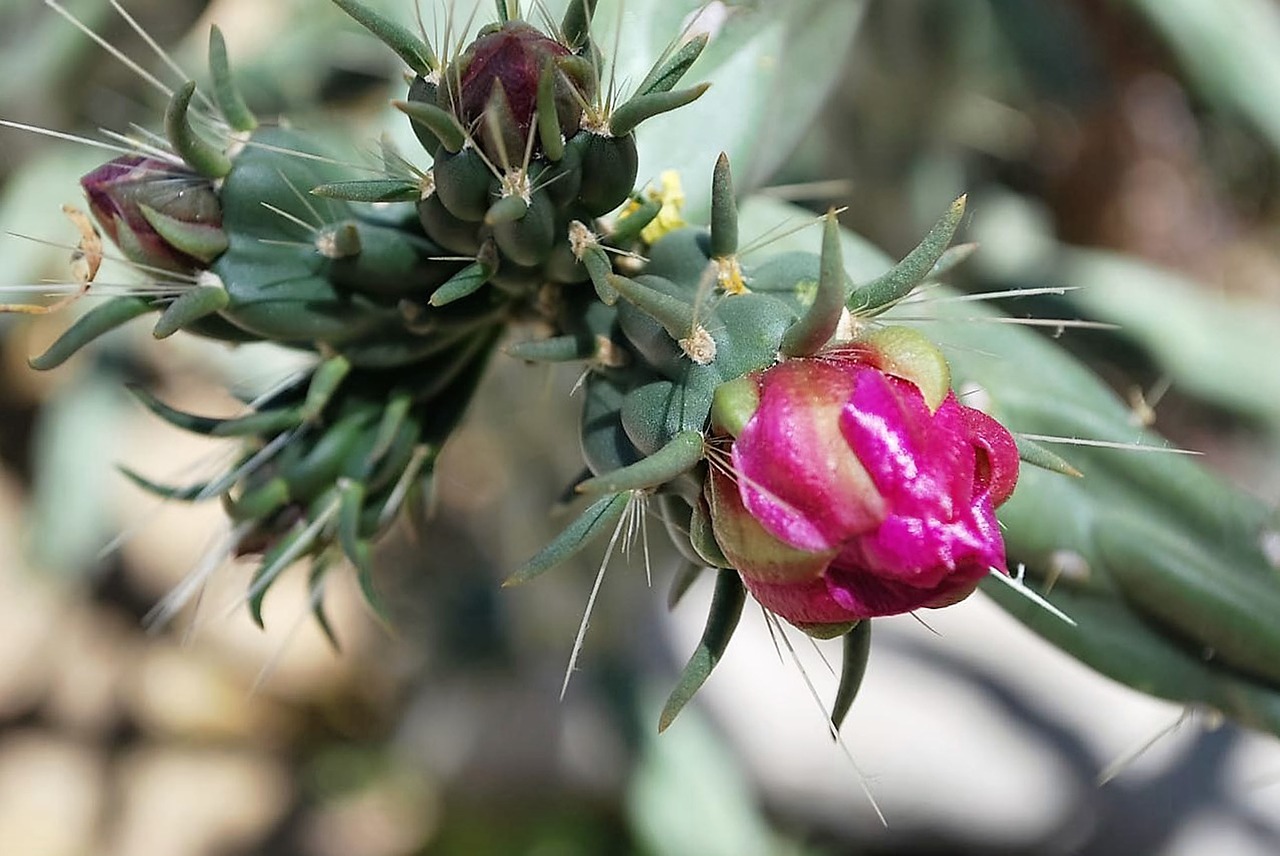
(404,286)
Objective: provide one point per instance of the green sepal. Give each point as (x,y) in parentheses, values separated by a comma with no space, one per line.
(678,456)
(372,190)
(576,24)
(853,668)
(683,579)
(325,380)
(94,323)
(816,327)
(416,52)
(702,536)
(201,156)
(598,517)
(641,107)
(225,91)
(724,210)
(666,73)
(259,502)
(190,493)
(722,620)
(557,349)
(189,307)
(263,422)
(550,134)
(675,315)
(899,281)
(1031,452)
(198,240)
(438,121)
(462,284)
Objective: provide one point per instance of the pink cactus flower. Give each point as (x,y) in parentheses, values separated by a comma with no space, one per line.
(848,496)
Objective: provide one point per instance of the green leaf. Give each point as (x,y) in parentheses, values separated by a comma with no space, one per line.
(597,519)
(722,620)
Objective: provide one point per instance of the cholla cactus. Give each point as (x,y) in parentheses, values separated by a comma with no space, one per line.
(792,438)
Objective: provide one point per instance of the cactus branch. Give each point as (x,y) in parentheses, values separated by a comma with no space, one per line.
(724,210)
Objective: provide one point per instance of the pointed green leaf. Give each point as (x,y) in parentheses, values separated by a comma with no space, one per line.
(94,323)
(416,52)
(642,107)
(853,667)
(1031,452)
(810,333)
(372,190)
(678,456)
(676,316)
(724,211)
(189,307)
(598,517)
(190,493)
(225,91)
(436,120)
(722,620)
(200,155)
(666,73)
(899,281)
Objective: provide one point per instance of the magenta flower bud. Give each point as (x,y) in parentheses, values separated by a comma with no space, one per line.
(848,497)
(499,73)
(158,214)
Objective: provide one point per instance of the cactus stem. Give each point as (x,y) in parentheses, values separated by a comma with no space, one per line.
(201,156)
(225,91)
(641,107)
(436,120)
(811,332)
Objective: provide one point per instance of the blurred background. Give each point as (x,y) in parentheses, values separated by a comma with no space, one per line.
(1130,146)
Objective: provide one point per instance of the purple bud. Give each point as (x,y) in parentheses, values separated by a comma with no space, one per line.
(159,214)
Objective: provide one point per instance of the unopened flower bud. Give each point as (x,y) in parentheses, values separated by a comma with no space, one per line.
(158,214)
(852,493)
(503,67)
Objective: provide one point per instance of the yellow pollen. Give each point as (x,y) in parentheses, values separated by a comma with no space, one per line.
(729,275)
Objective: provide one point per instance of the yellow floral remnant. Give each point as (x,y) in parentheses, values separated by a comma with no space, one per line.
(671,195)
(729,275)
